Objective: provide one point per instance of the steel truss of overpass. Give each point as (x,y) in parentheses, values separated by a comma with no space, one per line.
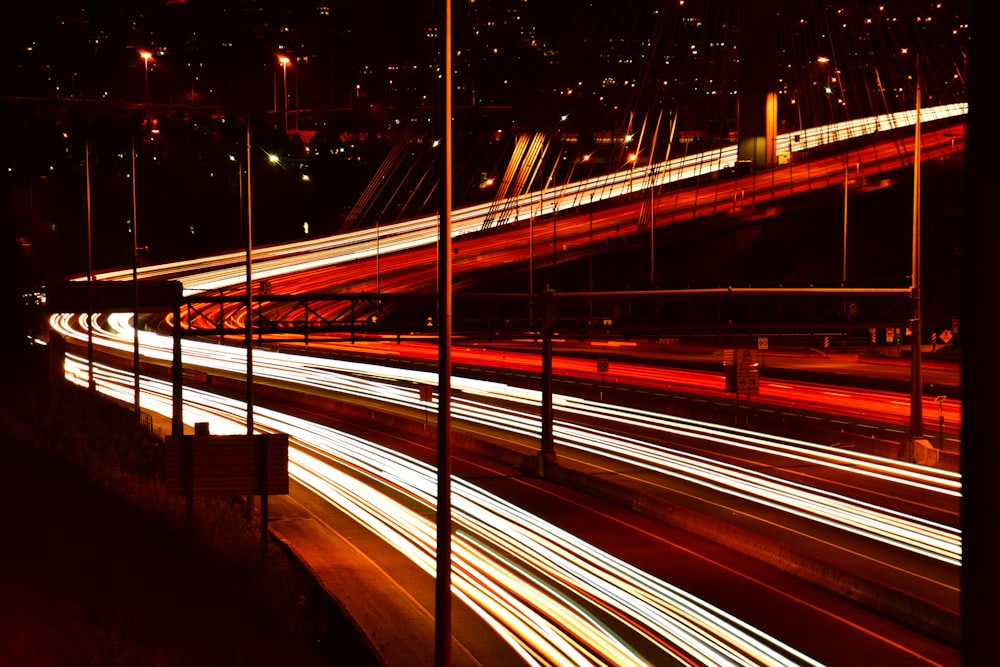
(728,311)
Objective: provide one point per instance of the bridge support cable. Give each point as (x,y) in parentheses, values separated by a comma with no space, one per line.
(500,202)
(401,183)
(529,170)
(389,164)
(646,209)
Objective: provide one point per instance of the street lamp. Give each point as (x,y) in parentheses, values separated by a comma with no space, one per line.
(146,57)
(916,379)
(135,294)
(284,60)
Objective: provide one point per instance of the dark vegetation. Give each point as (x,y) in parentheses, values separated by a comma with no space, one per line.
(99,567)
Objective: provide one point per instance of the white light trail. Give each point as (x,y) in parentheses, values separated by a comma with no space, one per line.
(530,579)
(227,270)
(398,387)
(543,589)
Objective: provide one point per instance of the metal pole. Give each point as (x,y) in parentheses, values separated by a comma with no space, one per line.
(284,89)
(91,384)
(531,269)
(652,198)
(239,203)
(248,334)
(590,278)
(916,388)
(135,284)
(442,626)
(548,444)
(940,402)
(177,369)
(843,272)
(652,201)
(249,298)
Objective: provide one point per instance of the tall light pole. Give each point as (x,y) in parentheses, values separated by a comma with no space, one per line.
(916,389)
(146,57)
(135,295)
(443,518)
(284,60)
(843,270)
(91,383)
(249,296)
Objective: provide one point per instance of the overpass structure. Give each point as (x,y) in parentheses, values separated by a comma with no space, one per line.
(698,187)
(357,250)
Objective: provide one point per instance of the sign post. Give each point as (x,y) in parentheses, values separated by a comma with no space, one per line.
(742,370)
(227,465)
(602,368)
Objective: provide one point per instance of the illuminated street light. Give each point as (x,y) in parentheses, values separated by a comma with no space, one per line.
(146,57)
(284,60)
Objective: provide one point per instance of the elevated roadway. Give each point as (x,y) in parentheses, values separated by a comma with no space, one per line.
(932,612)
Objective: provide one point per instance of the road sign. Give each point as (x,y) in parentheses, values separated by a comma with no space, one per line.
(762,343)
(747,371)
(602,365)
(742,371)
(226,465)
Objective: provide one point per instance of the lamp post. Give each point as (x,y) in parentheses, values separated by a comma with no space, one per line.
(135,294)
(916,380)
(249,297)
(91,383)
(843,270)
(284,60)
(443,516)
(146,57)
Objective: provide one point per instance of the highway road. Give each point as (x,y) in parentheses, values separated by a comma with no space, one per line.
(620,608)
(527,527)
(684,477)
(818,386)
(691,200)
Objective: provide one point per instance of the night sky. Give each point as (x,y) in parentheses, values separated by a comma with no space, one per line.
(73,79)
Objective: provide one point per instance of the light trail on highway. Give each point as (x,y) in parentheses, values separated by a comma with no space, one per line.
(500,579)
(557,599)
(392,386)
(882,406)
(219,272)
